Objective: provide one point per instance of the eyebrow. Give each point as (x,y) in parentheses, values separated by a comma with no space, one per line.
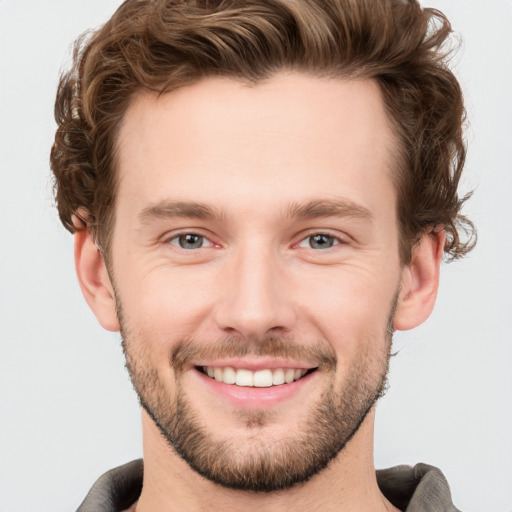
(328,208)
(313,209)
(168,209)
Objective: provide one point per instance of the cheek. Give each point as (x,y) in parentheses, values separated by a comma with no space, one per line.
(165,305)
(347,304)
(353,311)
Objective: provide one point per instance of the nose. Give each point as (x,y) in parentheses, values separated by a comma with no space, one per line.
(255,299)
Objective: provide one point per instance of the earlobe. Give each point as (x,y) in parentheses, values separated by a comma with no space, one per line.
(420,280)
(94,280)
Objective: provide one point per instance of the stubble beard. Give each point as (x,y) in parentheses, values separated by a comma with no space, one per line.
(260,465)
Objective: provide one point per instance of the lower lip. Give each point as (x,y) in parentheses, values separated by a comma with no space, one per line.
(252,397)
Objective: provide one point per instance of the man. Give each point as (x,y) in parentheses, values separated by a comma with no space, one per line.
(261,192)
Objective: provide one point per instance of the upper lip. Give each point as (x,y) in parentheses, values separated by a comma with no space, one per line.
(255,364)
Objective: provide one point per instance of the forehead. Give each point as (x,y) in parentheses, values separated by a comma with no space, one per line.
(226,140)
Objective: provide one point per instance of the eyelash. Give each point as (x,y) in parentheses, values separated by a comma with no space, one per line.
(188,233)
(335,240)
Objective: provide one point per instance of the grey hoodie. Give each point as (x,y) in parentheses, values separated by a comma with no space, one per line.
(421,488)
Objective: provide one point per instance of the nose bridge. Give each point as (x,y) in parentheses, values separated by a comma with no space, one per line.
(254,299)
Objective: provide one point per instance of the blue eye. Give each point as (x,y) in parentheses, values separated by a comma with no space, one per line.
(319,241)
(188,241)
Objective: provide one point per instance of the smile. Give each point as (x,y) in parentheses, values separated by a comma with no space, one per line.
(264,378)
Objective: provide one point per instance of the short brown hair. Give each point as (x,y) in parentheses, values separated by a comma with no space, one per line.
(161,45)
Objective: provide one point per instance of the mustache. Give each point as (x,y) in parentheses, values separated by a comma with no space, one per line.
(189,350)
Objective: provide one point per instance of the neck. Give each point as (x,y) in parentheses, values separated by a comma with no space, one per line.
(347,484)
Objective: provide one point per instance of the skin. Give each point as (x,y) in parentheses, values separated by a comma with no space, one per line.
(252,153)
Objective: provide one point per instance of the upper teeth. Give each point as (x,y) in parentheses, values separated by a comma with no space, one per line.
(259,379)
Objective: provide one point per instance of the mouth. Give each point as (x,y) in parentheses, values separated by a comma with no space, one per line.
(262,378)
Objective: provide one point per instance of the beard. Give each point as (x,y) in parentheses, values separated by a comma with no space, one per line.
(256,463)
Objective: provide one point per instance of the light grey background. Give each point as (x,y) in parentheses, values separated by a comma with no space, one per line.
(67,410)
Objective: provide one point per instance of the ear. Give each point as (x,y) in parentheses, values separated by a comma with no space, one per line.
(94,280)
(420,281)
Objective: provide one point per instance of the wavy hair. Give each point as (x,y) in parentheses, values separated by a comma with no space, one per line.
(161,45)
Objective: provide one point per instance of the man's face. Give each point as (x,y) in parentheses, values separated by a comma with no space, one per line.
(255,266)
